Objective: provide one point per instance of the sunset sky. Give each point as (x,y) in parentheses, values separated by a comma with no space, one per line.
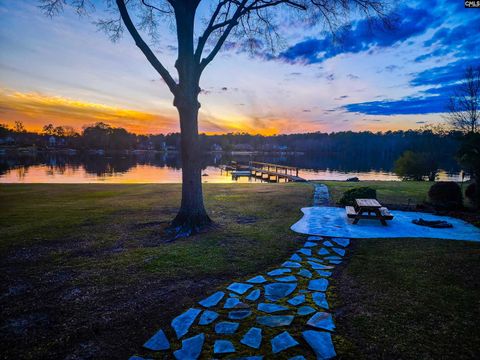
(64,71)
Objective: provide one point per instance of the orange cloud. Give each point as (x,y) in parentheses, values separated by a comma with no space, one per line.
(36,110)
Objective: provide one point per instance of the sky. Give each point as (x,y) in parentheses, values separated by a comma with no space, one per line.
(64,71)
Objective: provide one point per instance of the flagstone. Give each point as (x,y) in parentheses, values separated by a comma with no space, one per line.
(289,278)
(318,284)
(321,343)
(320,299)
(305,273)
(324,273)
(317,266)
(298,357)
(276,291)
(322,320)
(212,300)
(315,238)
(339,251)
(231,303)
(223,347)
(336,262)
(342,241)
(182,323)
(253,296)
(309,244)
(305,310)
(252,338)
(277,272)
(282,342)
(295,257)
(323,251)
(275,320)
(208,317)
(191,348)
(226,327)
(271,308)
(297,300)
(239,288)
(157,342)
(307,252)
(328,243)
(291,264)
(239,314)
(333,257)
(257,280)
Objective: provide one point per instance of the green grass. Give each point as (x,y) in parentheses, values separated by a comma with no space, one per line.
(388,192)
(106,244)
(409,299)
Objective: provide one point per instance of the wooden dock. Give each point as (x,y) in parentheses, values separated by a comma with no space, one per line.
(274,172)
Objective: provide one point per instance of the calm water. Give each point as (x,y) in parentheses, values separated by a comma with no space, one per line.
(166,168)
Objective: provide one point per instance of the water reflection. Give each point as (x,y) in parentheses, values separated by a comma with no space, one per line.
(152,167)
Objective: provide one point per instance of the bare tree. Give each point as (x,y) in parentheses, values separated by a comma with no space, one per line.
(464,107)
(245,20)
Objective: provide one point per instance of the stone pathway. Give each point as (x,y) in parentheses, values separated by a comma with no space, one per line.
(282,313)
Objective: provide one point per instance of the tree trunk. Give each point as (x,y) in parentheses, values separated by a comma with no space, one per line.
(192,215)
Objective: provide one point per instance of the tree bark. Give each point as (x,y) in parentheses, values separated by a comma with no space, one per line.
(192,215)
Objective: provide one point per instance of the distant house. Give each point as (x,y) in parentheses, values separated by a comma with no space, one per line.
(216,147)
(52,141)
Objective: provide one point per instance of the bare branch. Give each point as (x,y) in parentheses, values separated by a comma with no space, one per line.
(172,85)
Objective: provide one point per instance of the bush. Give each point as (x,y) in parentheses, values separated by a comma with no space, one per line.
(357,193)
(471,193)
(416,166)
(446,195)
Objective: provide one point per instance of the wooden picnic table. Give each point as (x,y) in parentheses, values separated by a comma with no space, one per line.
(368,209)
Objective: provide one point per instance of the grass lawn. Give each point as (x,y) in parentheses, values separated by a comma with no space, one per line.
(408,299)
(86,270)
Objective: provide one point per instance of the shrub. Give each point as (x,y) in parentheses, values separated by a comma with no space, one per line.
(445,195)
(416,166)
(357,193)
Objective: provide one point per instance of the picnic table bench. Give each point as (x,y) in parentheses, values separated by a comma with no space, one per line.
(368,209)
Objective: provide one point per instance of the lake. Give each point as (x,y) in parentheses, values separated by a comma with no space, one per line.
(166,167)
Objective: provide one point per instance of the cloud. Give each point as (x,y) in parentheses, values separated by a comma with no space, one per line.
(359,36)
(446,74)
(38,109)
(461,41)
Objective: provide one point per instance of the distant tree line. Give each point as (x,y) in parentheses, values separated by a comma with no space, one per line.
(103,136)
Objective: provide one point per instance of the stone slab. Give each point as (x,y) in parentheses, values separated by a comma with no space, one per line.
(182,323)
(320,299)
(157,342)
(239,288)
(252,338)
(275,320)
(257,280)
(271,308)
(226,327)
(253,296)
(191,348)
(318,285)
(213,299)
(278,272)
(297,300)
(208,317)
(282,342)
(322,320)
(321,343)
(223,347)
(277,291)
(305,310)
